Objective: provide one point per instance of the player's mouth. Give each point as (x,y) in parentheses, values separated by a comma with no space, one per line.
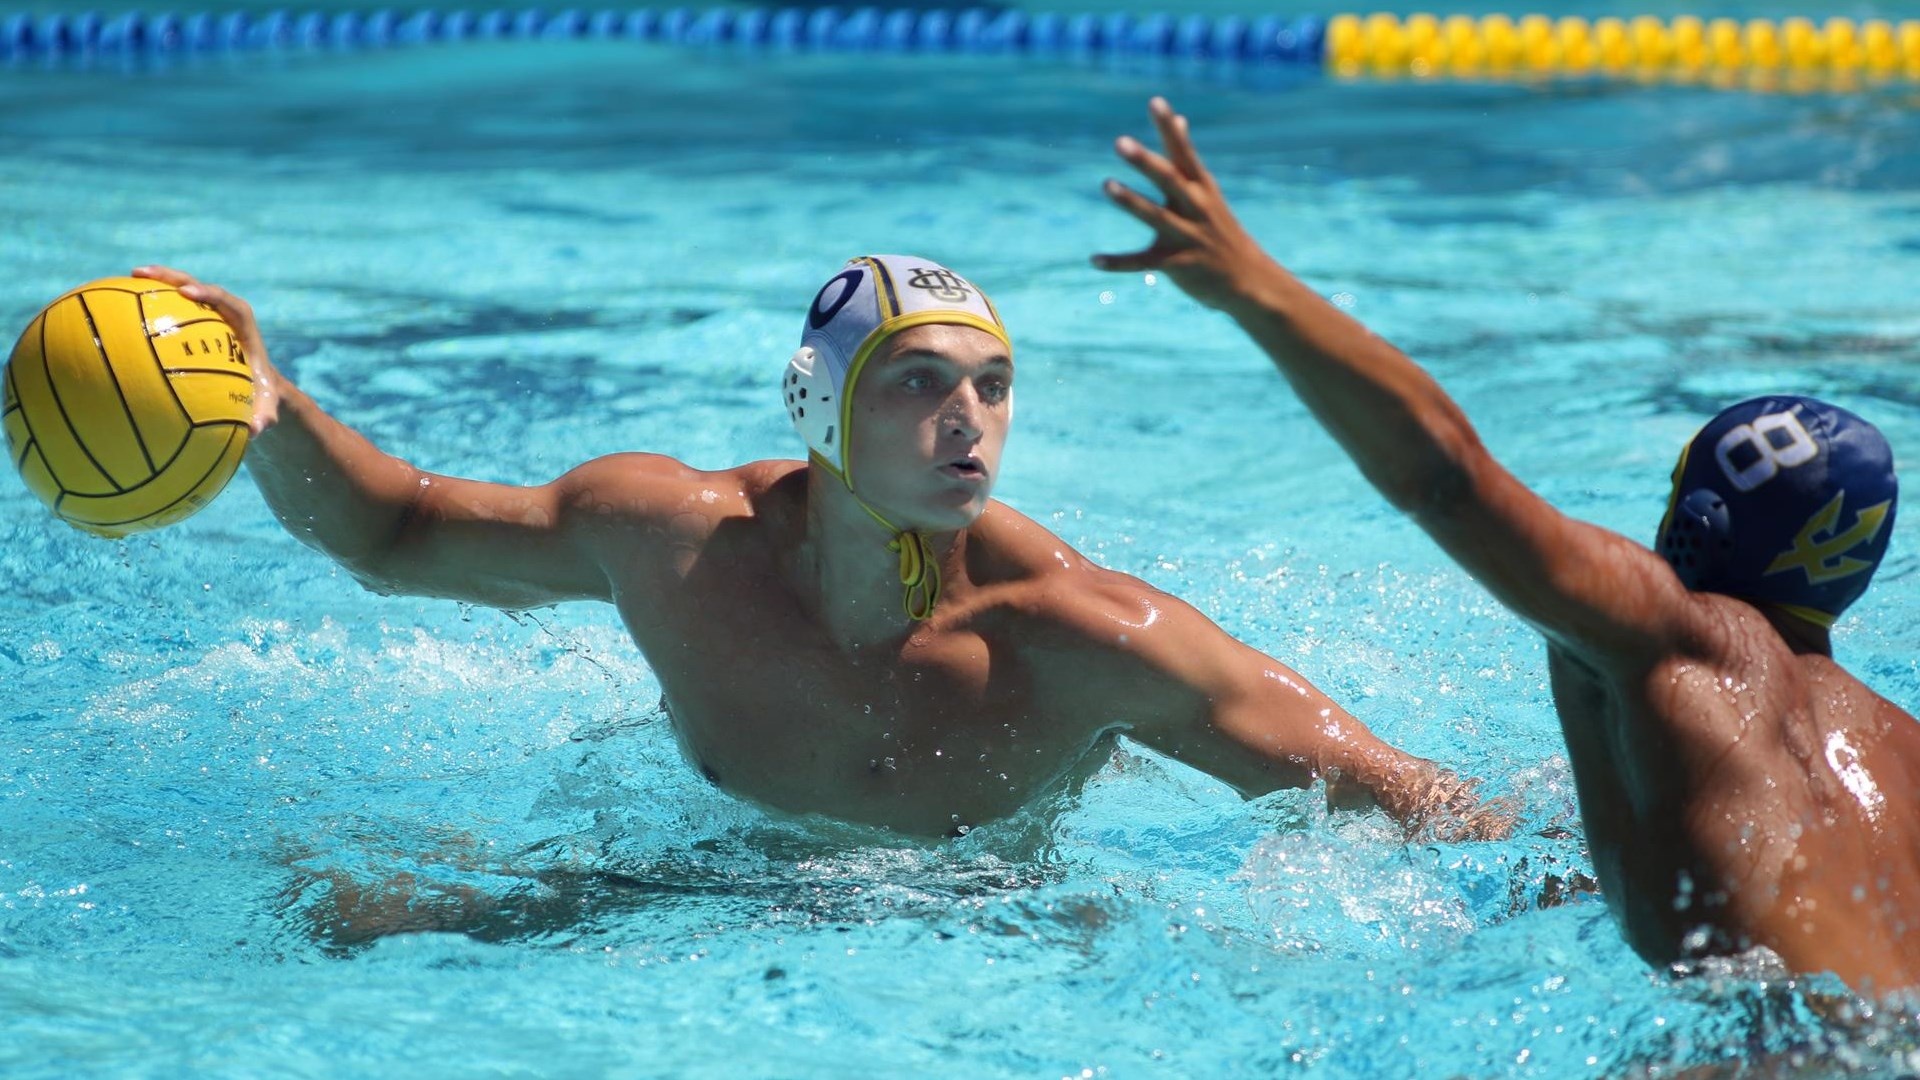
(969,469)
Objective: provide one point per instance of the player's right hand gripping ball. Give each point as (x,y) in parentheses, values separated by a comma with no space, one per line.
(126,405)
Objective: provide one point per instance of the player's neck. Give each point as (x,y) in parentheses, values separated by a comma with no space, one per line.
(847,579)
(1800,635)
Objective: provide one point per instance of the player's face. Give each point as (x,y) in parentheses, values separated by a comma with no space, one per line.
(931,412)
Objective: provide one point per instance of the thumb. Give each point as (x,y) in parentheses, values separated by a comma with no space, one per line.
(266,404)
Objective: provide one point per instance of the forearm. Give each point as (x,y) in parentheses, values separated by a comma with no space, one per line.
(1423,797)
(330,487)
(1410,440)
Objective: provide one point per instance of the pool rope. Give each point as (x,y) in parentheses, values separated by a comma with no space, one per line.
(1684,47)
(1370,46)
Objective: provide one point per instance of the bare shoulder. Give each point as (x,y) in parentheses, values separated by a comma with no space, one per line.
(1070,606)
(1043,576)
(1719,643)
(638,487)
(759,478)
(1733,673)
(1737,638)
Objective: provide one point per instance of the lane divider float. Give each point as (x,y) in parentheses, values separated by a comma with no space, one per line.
(1353,46)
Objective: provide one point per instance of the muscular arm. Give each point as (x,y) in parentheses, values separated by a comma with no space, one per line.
(399,529)
(1166,675)
(1601,596)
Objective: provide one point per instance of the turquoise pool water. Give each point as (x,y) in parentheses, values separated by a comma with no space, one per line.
(499,261)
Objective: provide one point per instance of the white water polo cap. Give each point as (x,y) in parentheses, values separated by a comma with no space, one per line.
(871,299)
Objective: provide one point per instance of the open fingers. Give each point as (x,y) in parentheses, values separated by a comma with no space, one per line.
(1170,236)
(236,311)
(238,315)
(1149,212)
(1155,168)
(1174,136)
(1130,262)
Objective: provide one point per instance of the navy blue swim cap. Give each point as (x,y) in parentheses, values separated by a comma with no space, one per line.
(1782,500)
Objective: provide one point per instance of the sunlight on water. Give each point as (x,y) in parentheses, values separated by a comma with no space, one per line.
(257,819)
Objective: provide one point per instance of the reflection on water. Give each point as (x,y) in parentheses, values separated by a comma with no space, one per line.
(242,795)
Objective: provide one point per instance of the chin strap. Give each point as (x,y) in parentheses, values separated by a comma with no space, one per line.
(919,574)
(919,566)
(919,563)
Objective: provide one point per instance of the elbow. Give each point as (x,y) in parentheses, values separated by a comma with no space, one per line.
(373,560)
(1429,490)
(371,568)
(1442,475)
(372,575)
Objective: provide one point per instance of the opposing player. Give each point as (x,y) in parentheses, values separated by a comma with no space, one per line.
(1738,786)
(864,635)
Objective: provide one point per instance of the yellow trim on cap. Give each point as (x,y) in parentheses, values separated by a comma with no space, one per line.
(874,338)
(814,458)
(1813,615)
(1673,497)
(919,563)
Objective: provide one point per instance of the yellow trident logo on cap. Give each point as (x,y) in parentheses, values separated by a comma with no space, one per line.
(1826,560)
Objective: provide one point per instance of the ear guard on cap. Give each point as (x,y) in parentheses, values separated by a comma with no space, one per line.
(871,298)
(1698,538)
(811,403)
(1782,500)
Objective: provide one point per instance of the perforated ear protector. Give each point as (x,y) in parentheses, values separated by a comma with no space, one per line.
(1782,500)
(1700,536)
(871,299)
(811,402)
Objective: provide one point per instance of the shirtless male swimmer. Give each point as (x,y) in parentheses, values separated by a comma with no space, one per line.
(1738,786)
(864,635)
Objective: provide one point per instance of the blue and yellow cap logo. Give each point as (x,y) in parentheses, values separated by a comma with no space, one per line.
(1782,500)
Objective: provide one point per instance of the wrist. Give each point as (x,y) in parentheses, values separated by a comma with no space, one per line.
(275,401)
(1266,291)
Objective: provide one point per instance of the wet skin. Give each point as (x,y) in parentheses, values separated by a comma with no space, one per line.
(1737,785)
(765,599)
(1743,789)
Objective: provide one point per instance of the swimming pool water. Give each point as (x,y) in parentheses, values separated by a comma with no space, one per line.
(498,261)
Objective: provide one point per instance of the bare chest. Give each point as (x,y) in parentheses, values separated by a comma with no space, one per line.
(941,734)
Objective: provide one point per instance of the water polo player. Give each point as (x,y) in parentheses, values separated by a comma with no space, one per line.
(1738,787)
(864,635)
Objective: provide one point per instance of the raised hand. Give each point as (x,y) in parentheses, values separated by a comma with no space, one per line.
(1197,241)
(239,315)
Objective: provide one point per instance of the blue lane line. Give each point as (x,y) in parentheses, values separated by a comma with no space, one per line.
(1296,40)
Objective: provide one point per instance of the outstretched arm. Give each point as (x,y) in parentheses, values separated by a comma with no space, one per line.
(1162,673)
(1607,599)
(400,529)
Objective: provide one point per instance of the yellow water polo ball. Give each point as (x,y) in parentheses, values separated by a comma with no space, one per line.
(126,405)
